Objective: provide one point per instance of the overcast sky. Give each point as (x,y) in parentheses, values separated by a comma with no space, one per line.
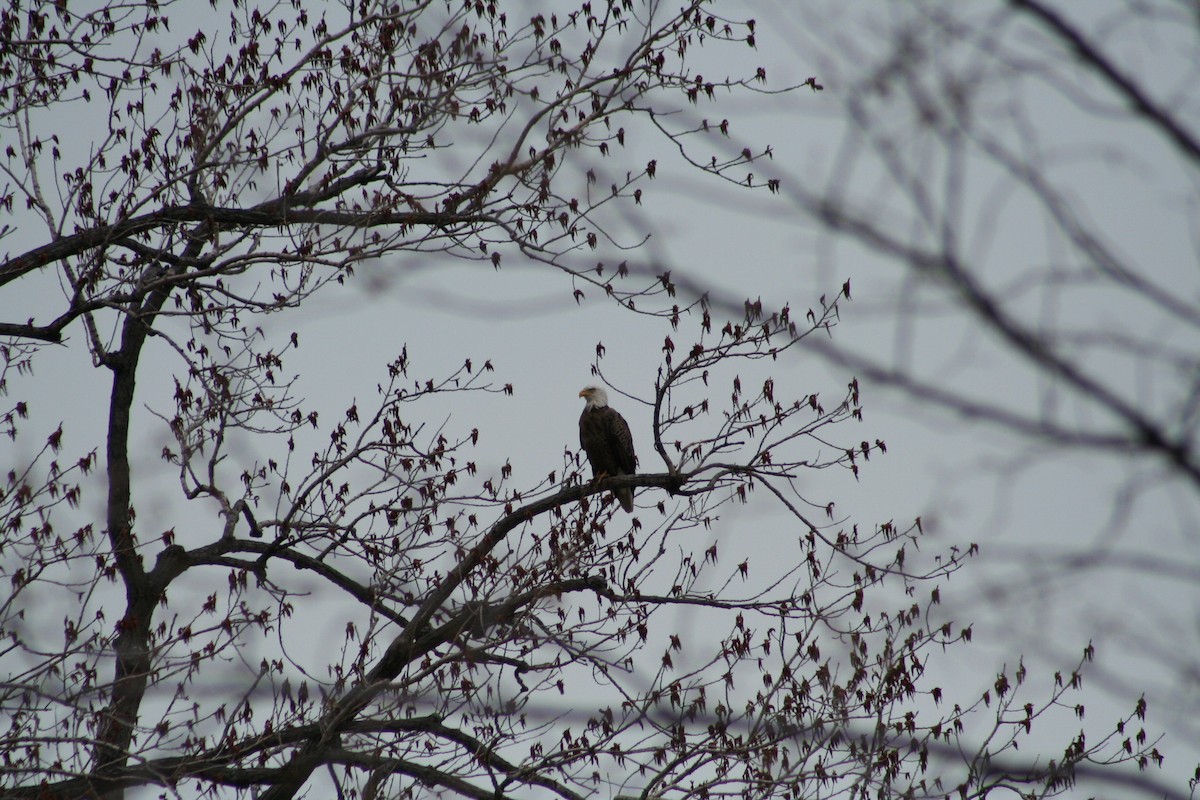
(1023,503)
(969,482)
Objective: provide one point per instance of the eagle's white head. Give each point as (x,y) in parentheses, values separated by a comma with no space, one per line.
(596,397)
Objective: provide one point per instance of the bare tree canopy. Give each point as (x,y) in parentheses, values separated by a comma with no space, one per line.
(234,575)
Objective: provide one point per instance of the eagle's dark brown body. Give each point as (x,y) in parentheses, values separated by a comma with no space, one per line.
(605,437)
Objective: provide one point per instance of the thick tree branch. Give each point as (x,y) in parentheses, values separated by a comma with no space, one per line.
(1134,94)
(273,214)
(419,637)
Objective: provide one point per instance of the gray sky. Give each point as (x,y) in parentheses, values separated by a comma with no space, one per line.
(1026,504)
(1022,502)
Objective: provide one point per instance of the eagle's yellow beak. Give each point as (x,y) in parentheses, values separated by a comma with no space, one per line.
(583,392)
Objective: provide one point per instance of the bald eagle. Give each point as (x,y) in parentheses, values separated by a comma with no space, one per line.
(606,439)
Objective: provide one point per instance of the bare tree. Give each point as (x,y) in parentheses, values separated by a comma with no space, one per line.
(193,172)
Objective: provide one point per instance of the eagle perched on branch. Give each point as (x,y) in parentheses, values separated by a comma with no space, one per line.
(605,437)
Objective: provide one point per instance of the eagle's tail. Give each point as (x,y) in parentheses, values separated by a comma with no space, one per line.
(625,498)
